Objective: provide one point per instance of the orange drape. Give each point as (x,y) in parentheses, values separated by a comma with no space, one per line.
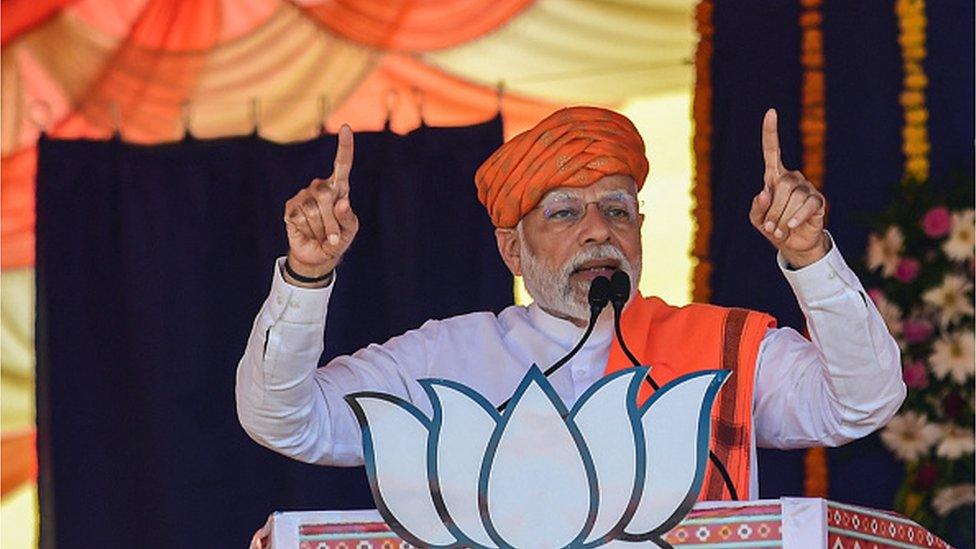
(166,46)
(408,86)
(20,16)
(17,208)
(137,64)
(18,460)
(414,25)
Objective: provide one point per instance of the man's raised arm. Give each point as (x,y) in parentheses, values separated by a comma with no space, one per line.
(285,402)
(847,382)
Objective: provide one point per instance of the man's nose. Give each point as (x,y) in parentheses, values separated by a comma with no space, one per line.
(594,227)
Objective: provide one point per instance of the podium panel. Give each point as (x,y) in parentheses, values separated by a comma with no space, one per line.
(788,522)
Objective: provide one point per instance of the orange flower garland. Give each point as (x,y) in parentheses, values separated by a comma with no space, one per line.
(911,38)
(702,145)
(813,130)
(813,125)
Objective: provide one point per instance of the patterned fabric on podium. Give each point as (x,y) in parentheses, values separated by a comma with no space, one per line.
(788,523)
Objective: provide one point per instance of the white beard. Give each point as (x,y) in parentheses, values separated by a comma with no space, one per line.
(554,291)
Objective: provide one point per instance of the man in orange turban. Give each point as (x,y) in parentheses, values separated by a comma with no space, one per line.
(587,153)
(563,198)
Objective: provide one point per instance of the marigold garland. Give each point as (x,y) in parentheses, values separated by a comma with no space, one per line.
(813,125)
(911,38)
(702,145)
(813,130)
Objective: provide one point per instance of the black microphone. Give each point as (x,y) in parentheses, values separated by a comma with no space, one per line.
(619,294)
(598,297)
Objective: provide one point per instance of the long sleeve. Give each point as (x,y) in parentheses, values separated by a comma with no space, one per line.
(842,385)
(286,403)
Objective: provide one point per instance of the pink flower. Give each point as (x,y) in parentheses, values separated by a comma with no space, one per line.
(915,374)
(937,222)
(907,270)
(916,330)
(876,295)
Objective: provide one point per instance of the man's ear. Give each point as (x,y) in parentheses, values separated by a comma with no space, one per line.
(510,248)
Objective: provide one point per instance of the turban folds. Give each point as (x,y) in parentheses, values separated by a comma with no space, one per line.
(572,147)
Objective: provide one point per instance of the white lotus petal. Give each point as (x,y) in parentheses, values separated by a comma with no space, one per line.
(607,418)
(536,482)
(675,460)
(465,426)
(395,449)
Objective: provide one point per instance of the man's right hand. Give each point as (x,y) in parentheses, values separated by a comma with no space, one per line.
(319,219)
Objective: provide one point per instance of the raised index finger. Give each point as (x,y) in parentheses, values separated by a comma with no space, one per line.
(770,143)
(343,161)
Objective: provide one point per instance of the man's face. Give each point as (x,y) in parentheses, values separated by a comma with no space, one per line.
(575,235)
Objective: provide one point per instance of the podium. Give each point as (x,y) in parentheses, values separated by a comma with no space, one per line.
(788,522)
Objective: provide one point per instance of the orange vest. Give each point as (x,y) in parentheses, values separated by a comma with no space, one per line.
(678,340)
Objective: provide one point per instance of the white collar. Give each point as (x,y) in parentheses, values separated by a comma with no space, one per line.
(568,334)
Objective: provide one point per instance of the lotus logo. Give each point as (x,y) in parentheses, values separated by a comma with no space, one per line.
(538,475)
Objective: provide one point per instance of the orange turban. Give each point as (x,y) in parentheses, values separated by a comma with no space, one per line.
(572,147)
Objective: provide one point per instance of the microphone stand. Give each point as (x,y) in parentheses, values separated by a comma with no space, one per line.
(619,294)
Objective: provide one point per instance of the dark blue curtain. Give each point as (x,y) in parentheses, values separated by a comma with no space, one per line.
(864,163)
(950,63)
(151,265)
(756,65)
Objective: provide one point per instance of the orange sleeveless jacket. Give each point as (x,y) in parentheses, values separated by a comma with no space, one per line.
(678,340)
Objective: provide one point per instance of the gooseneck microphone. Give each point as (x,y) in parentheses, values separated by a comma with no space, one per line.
(619,294)
(598,297)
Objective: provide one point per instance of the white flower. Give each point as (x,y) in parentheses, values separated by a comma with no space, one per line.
(884,252)
(538,475)
(956,442)
(910,435)
(890,312)
(952,354)
(961,242)
(951,299)
(952,497)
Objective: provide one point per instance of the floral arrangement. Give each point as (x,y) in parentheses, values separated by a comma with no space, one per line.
(921,257)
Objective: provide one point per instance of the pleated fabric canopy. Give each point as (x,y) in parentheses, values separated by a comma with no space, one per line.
(155,69)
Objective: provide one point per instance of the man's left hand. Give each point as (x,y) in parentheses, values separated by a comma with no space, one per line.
(789,211)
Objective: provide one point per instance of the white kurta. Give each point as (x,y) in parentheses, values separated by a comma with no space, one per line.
(843,385)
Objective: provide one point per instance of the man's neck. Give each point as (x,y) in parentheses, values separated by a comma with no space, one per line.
(605,316)
(562,316)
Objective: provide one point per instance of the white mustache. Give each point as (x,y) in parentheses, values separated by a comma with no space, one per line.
(602,251)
